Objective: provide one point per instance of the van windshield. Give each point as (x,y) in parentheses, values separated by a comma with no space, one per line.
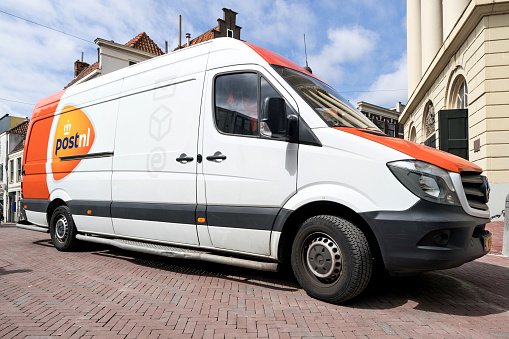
(326,102)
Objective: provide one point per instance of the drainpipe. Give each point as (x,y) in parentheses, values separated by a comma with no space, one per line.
(6,189)
(505,238)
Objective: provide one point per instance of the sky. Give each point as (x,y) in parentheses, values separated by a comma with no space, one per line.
(358,47)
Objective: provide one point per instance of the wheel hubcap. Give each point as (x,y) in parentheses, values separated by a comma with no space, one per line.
(61,229)
(323,258)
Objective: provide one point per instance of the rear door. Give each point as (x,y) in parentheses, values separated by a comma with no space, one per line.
(247,175)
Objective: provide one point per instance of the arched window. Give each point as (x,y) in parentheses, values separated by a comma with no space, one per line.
(429,125)
(413,134)
(453,122)
(461,95)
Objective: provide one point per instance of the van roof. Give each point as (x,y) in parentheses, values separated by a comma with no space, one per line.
(45,105)
(279,60)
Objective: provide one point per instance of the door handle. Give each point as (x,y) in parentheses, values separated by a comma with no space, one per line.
(184,159)
(217,157)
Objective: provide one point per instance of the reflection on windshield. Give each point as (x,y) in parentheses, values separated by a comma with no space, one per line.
(329,104)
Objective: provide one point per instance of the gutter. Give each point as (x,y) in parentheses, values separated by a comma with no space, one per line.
(88,77)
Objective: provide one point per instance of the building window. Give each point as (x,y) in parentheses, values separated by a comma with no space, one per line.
(229,33)
(11,172)
(391,130)
(461,95)
(1,172)
(380,124)
(429,125)
(413,134)
(19,169)
(429,120)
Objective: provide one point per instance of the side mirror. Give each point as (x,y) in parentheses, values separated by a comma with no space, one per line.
(292,129)
(275,121)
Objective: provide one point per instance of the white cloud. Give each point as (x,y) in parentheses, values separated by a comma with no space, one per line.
(345,45)
(389,88)
(37,61)
(274,24)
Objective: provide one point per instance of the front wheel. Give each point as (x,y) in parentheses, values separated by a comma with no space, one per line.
(331,258)
(62,229)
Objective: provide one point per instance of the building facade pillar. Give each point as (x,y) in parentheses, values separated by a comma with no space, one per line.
(432,35)
(452,10)
(414,44)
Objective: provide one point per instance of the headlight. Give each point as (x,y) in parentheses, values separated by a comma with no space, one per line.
(426,181)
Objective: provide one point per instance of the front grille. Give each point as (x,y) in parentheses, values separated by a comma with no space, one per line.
(475,189)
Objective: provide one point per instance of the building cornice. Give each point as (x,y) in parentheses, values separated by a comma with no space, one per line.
(88,76)
(366,107)
(122,48)
(473,14)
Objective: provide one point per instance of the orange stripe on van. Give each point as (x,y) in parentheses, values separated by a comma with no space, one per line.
(35,153)
(433,156)
(276,59)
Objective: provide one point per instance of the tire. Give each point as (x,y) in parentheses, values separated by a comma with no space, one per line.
(331,258)
(62,229)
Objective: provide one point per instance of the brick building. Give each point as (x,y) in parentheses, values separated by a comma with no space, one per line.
(226,27)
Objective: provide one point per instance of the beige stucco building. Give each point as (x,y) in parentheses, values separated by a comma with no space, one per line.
(458,83)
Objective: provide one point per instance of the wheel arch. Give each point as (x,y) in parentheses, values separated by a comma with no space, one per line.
(52,206)
(297,217)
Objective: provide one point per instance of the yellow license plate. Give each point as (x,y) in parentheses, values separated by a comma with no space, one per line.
(487,243)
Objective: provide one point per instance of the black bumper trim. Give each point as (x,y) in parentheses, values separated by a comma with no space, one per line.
(36,205)
(401,234)
(255,218)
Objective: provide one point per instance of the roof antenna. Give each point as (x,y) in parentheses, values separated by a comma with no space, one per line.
(306,52)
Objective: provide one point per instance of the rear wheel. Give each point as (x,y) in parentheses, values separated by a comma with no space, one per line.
(62,229)
(331,258)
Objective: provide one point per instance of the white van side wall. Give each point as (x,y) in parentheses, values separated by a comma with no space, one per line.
(157,124)
(90,181)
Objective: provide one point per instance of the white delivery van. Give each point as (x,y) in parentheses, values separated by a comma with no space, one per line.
(230,153)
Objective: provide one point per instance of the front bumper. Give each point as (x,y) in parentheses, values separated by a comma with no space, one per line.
(427,237)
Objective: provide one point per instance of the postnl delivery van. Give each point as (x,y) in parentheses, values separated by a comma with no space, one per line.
(230,153)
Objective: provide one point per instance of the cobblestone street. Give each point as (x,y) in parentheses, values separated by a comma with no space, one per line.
(109,293)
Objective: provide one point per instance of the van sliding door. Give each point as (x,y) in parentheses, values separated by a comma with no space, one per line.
(154,166)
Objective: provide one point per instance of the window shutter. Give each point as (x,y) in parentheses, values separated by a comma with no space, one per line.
(453,131)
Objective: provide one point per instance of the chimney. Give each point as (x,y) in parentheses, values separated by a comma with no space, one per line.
(188,36)
(79,66)
(227,26)
(399,107)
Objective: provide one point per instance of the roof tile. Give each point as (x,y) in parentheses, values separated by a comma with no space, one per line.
(208,35)
(143,42)
(84,73)
(20,128)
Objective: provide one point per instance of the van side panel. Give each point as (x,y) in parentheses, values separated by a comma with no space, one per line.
(80,152)
(154,194)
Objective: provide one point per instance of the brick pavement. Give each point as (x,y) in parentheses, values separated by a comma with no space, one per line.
(104,292)
(497,232)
